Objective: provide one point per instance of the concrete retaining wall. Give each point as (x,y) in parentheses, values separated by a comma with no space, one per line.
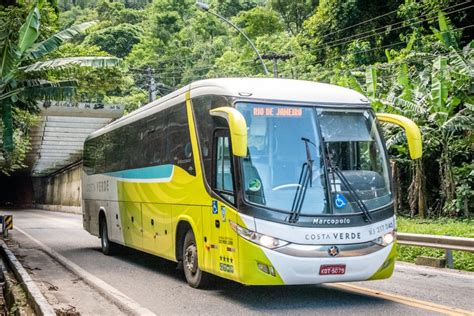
(60,190)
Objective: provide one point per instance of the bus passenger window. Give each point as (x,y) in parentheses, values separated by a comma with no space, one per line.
(223,180)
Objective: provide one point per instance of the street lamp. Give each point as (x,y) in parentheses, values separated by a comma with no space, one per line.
(205,7)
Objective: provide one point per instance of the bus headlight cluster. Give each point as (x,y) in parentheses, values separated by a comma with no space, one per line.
(386,239)
(263,240)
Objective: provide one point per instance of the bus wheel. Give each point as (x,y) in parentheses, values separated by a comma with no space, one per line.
(107,246)
(195,277)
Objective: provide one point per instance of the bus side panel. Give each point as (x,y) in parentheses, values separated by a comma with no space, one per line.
(131,216)
(208,256)
(157,232)
(88,207)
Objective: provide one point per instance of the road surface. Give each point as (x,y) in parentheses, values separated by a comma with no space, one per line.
(156,285)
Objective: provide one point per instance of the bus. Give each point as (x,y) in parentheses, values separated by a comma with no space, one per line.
(262,181)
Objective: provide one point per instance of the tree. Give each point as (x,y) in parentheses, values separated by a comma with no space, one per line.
(116,40)
(22,79)
(294,13)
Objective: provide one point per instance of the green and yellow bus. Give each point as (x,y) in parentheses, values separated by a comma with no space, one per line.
(257,180)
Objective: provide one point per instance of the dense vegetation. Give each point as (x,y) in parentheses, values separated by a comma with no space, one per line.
(463,260)
(409,57)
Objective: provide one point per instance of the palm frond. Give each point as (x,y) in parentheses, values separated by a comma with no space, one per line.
(414,107)
(462,121)
(52,43)
(35,83)
(60,63)
(9,59)
(459,64)
(48,92)
(395,139)
(29,31)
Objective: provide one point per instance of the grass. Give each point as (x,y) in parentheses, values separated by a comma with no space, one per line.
(444,226)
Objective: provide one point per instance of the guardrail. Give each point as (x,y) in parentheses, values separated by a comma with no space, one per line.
(447,243)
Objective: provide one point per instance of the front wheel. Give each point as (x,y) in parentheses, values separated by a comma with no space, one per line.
(195,277)
(108,247)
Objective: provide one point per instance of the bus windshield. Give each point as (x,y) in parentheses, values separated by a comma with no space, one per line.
(299,157)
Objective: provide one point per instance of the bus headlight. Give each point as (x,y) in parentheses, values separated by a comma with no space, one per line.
(263,240)
(386,239)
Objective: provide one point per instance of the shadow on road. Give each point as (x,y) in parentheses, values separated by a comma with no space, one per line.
(258,298)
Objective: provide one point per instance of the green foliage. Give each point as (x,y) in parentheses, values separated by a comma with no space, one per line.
(116,40)
(18,86)
(442,226)
(258,22)
(407,56)
(294,13)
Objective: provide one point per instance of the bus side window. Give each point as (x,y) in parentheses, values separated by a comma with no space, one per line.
(223,171)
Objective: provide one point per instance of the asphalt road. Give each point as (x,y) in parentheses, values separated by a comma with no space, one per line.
(157,285)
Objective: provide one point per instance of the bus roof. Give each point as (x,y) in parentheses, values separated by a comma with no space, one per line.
(270,89)
(296,91)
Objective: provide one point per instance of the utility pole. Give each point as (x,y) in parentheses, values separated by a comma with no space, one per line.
(151,85)
(274,57)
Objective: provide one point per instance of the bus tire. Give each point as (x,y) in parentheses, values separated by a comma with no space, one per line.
(108,247)
(195,277)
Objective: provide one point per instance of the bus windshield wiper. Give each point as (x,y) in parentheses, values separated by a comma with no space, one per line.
(306,178)
(335,170)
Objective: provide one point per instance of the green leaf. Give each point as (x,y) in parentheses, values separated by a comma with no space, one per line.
(57,39)
(60,63)
(353,83)
(388,55)
(462,121)
(459,64)
(49,92)
(9,59)
(446,33)
(411,42)
(439,83)
(371,81)
(29,31)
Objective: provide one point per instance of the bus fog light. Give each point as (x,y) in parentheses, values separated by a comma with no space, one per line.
(266,269)
(263,267)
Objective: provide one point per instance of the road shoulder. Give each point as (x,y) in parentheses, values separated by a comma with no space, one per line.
(67,293)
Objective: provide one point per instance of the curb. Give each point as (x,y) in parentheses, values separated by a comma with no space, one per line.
(114,295)
(34,295)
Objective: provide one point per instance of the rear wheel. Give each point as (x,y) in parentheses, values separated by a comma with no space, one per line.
(108,247)
(195,277)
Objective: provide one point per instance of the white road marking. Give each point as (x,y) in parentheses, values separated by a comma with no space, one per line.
(104,288)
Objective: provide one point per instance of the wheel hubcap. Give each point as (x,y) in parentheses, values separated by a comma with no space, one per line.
(190,259)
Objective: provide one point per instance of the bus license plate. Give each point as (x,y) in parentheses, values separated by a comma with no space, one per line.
(328,269)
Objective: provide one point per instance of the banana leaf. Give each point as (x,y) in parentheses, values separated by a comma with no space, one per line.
(52,43)
(59,63)
(29,31)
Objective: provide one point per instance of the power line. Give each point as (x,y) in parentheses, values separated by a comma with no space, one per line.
(390,45)
(378,17)
(361,23)
(384,28)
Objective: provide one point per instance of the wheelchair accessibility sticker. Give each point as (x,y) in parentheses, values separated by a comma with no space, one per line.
(215,210)
(340,201)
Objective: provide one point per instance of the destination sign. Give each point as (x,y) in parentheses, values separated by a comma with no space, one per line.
(278,111)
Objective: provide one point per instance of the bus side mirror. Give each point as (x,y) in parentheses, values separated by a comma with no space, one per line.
(411,130)
(237,128)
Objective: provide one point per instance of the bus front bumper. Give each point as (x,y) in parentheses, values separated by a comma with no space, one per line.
(262,266)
